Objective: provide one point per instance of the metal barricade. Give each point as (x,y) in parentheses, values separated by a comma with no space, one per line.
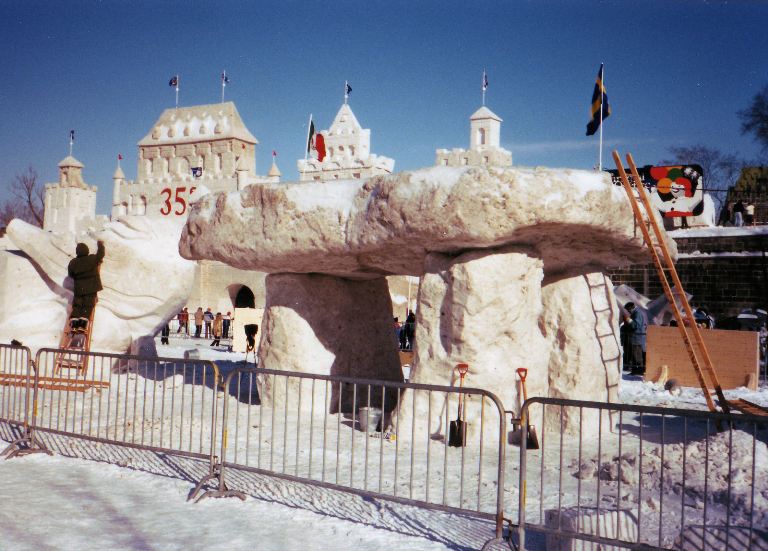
(643,477)
(158,404)
(15,380)
(377,439)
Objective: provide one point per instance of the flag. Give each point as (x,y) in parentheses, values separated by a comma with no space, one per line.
(347,88)
(599,97)
(311,138)
(197,171)
(320,147)
(485,81)
(174,81)
(71,135)
(224,78)
(119,157)
(274,153)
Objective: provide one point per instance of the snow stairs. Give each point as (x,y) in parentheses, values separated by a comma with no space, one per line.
(601,297)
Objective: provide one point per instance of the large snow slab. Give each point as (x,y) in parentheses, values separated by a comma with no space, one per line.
(576,221)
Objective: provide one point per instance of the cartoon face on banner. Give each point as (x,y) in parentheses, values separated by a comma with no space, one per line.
(675,190)
(679,190)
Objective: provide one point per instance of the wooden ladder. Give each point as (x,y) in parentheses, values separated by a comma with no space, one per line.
(78,341)
(705,361)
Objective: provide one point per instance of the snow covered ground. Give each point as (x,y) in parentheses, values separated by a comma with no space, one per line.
(138,501)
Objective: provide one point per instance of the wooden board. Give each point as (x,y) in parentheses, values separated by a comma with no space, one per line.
(735,355)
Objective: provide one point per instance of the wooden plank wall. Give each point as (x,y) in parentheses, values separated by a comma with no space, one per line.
(735,355)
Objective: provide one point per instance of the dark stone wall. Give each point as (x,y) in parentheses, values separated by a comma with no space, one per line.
(723,284)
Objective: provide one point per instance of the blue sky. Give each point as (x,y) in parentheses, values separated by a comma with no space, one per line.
(676,73)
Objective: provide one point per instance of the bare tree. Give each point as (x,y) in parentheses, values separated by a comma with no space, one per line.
(29,202)
(754,119)
(721,170)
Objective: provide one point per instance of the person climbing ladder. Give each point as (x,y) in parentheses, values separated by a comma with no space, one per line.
(84,271)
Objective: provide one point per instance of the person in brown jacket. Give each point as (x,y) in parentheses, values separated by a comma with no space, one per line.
(218,327)
(84,271)
(198,321)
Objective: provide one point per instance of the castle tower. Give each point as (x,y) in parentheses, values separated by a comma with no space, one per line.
(70,203)
(274,173)
(484,144)
(118,179)
(186,148)
(348,156)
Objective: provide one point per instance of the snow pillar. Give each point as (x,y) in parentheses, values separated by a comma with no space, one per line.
(326,325)
(481,308)
(580,322)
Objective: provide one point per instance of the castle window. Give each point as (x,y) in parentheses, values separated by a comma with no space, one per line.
(356,175)
(352,150)
(464,161)
(481,136)
(445,162)
(485,160)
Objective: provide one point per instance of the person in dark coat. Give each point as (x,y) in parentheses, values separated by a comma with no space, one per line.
(84,271)
(637,328)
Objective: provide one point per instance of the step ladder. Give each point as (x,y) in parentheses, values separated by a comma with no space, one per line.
(701,364)
(75,344)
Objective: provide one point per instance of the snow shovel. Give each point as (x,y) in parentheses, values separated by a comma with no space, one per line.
(457,435)
(516,436)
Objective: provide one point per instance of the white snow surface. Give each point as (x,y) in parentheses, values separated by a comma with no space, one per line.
(64,503)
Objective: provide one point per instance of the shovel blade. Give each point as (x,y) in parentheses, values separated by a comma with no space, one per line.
(515,438)
(457,434)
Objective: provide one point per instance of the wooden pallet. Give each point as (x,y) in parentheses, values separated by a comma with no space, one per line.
(52,383)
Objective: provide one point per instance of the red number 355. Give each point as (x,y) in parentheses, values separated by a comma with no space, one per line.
(178,198)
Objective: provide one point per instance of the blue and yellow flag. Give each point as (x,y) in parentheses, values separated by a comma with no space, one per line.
(599,97)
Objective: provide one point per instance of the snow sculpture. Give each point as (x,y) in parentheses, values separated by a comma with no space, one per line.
(145,282)
(510,260)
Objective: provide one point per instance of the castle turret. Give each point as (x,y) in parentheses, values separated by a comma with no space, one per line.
(484,144)
(118,179)
(70,204)
(348,155)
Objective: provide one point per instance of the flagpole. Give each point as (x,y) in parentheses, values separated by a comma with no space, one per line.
(602,90)
(306,146)
(482,86)
(177,91)
(71,142)
(346,96)
(223,84)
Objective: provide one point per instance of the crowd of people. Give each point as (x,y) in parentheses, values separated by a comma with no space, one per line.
(737,214)
(405,333)
(207,325)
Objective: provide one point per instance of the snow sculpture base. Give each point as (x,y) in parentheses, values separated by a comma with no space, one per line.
(480,308)
(326,325)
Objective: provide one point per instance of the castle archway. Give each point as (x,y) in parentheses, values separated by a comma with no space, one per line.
(245,298)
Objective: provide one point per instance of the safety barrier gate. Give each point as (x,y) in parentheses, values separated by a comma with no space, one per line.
(643,477)
(159,404)
(378,439)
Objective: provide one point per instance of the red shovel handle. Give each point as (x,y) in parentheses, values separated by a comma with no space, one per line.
(522,373)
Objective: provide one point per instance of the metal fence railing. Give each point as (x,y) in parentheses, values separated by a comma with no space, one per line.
(605,474)
(158,404)
(630,476)
(378,439)
(15,378)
